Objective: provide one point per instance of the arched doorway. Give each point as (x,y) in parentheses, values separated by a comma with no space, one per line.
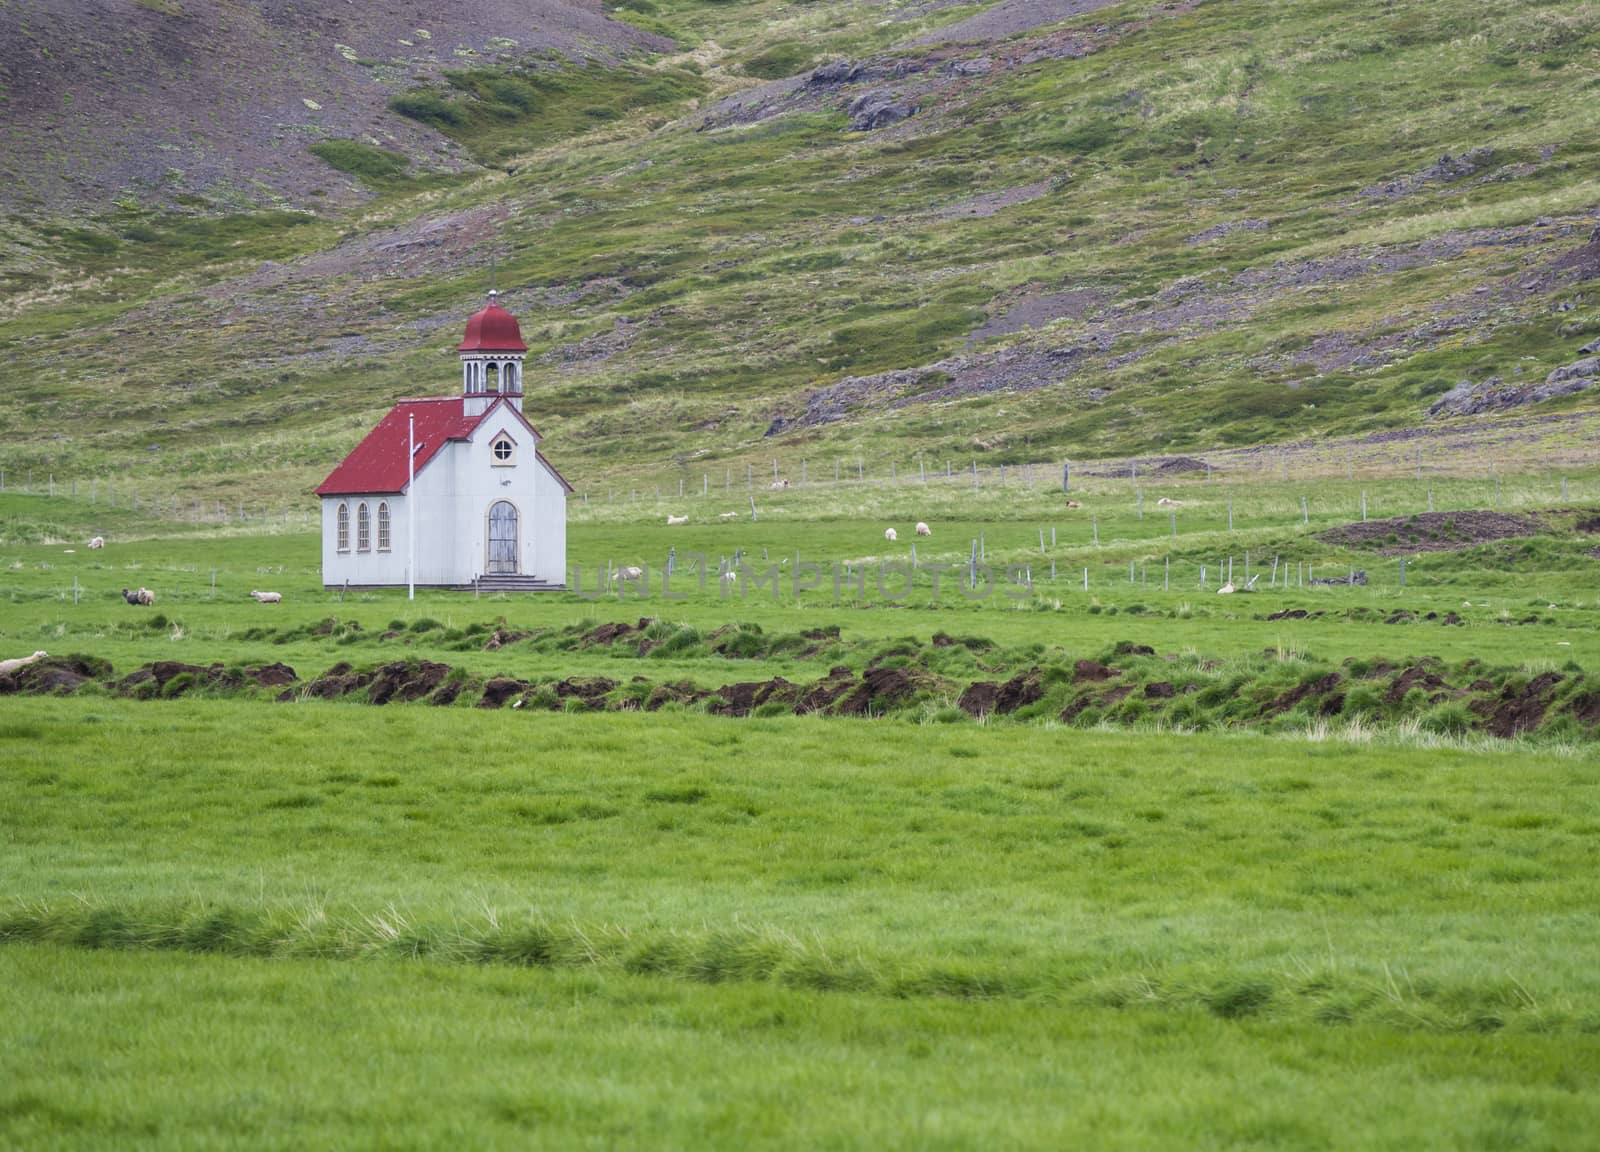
(502,539)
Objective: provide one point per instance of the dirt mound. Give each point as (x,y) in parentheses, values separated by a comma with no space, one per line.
(1586,707)
(403,681)
(611,633)
(500,689)
(1518,710)
(591,691)
(985,696)
(271,675)
(1413,677)
(979,697)
(1431,532)
(158,679)
(1311,688)
(1092,670)
(683,692)
(743,699)
(53,676)
(500,637)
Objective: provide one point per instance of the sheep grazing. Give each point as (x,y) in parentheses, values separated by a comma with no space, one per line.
(631,572)
(923,529)
(1073,504)
(730,575)
(890,535)
(1227,589)
(143,597)
(98,542)
(727,515)
(11,667)
(672,520)
(778,484)
(267,597)
(1164,502)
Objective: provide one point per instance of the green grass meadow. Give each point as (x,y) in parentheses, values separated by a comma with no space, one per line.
(231,922)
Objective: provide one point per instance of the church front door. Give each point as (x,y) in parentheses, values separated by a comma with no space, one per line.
(502,539)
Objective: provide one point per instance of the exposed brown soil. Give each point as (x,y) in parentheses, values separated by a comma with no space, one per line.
(403,682)
(500,690)
(743,699)
(1092,670)
(985,696)
(1519,711)
(1413,677)
(1319,687)
(1432,532)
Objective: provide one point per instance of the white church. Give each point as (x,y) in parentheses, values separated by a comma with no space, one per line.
(464,473)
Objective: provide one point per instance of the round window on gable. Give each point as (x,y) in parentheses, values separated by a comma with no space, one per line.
(502,449)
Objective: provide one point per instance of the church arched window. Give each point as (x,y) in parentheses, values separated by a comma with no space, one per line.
(342,521)
(363,528)
(383,526)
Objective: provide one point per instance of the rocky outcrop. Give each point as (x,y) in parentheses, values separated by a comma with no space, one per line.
(1495,395)
(878,109)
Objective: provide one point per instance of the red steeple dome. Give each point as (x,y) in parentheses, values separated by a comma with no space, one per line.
(492,329)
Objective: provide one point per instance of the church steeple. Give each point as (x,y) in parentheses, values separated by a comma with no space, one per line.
(491,358)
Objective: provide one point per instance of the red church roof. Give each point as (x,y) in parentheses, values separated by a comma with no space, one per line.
(492,329)
(378,463)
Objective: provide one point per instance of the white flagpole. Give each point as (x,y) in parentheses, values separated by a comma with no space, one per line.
(411,509)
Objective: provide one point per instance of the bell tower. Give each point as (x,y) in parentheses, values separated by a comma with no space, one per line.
(491,359)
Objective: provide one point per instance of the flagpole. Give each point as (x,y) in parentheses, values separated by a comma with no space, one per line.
(411,509)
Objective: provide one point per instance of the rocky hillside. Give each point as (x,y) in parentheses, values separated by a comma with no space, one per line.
(1004,231)
(162,101)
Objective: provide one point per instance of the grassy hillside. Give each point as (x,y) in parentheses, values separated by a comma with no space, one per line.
(1142,228)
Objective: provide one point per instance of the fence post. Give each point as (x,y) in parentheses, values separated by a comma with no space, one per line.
(1085,579)
(1094,522)
(1305,513)
(1230,512)
(860,471)
(1166,577)
(1041,541)
(1363,505)
(1066,477)
(1174,516)
(1141,503)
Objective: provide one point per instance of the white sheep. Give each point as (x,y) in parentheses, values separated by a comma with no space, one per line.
(630,572)
(730,575)
(98,542)
(7,667)
(673,520)
(1164,502)
(778,484)
(267,597)
(890,535)
(727,515)
(1226,590)
(923,529)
